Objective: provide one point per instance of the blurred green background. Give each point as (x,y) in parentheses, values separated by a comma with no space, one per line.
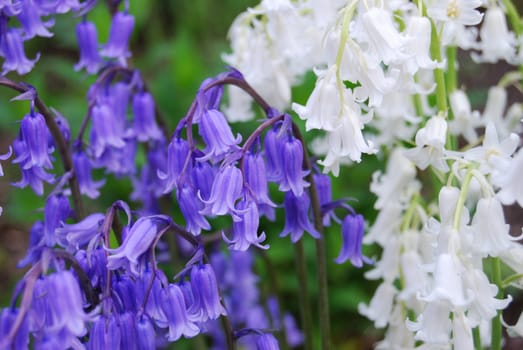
(175,45)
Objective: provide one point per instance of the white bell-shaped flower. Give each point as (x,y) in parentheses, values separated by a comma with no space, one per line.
(497,42)
(418,33)
(430,145)
(509,181)
(465,120)
(380,307)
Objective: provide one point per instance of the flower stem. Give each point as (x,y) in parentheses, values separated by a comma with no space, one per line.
(303,295)
(439,75)
(476,336)
(496,321)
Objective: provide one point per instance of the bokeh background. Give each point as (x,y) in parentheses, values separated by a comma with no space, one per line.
(176,45)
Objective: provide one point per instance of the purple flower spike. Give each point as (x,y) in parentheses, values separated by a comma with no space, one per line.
(35,136)
(88,43)
(118,44)
(145,126)
(226,189)
(293,173)
(245,228)
(297,217)
(179,321)
(190,207)
(217,135)
(12,48)
(205,291)
(266,341)
(82,166)
(106,130)
(352,230)
(137,241)
(30,20)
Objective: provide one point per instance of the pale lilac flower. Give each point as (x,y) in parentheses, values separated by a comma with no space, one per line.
(245,227)
(79,234)
(12,49)
(118,44)
(226,189)
(217,135)
(88,45)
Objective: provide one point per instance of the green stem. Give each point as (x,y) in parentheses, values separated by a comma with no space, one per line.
(507,281)
(439,74)
(461,199)
(303,295)
(515,21)
(452,76)
(476,336)
(496,321)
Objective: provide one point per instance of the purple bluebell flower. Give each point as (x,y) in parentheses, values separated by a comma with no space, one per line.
(118,97)
(138,240)
(10,9)
(191,207)
(292,166)
(266,341)
(154,306)
(31,22)
(217,135)
(124,294)
(88,44)
(57,6)
(34,135)
(145,334)
(180,322)
(94,263)
(202,176)
(21,339)
(33,176)
(245,227)
(352,230)
(297,217)
(226,189)
(205,291)
(145,127)
(56,211)
(128,332)
(177,153)
(324,189)
(12,49)
(257,184)
(36,235)
(208,99)
(105,333)
(293,335)
(273,145)
(119,161)
(106,130)
(58,303)
(82,167)
(5,156)
(118,44)
(74,236)
(63,125)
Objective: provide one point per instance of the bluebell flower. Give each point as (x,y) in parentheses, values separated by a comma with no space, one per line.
(63,125)
(34,135)
(57,6)
(180,323)
(177,153)
(118,44)
(191,208)
(202,176)
(119,161)
(82,167)
(292,167)
(118,96)
(74,236)
(245,227)
(106,130)
(352,230)
(58,304)
(31,21)
(293,335)
(226,189)
(205,291)
(138,240)
(88,45)
(273,146)
(154,306)
(266,341)
(257,184)
(12,49)
(34,251)
(324,190)
(145,334)
(128,330)
(56,211)
(145,127)
(94,263)
(297,217)
(124,294)
(21,339)
(35,178)
(217,135)
(105,333)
